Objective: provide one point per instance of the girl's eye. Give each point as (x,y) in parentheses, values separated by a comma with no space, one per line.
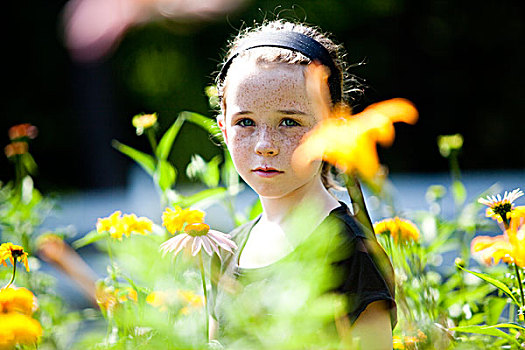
(289,122)
(245,122)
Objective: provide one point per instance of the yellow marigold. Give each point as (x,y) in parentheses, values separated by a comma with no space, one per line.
(397,342)
(19,300)
(402,230)
(18,329)
(158,299)
(16,148)
(12,252)
(174,219)
(118,225)
(144,121)
(499,208)
(345,140)
(190,300)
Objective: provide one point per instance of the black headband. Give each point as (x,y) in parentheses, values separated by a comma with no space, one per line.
(294,41)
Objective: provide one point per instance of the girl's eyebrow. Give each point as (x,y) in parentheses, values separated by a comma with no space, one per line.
(242,113)
(291,112)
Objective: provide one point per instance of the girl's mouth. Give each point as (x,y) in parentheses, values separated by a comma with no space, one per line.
(267,172)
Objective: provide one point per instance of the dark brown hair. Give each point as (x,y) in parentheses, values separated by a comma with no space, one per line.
(350,84)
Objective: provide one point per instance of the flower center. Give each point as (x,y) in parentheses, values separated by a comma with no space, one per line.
(197,229)
(16,252)
(502,209)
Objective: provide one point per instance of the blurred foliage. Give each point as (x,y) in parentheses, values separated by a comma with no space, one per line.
(458,62)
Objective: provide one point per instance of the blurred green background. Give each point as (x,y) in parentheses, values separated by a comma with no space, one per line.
(460,62)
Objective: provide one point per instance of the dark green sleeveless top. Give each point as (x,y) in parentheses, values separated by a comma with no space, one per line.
(340,257)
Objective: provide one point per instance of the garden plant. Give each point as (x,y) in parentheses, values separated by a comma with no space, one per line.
(156,291)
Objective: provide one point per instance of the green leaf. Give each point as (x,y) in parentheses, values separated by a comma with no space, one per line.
(487,330)
(89,238)
(206,123)
(146,161)
(495,282)
(208,173)
(165,175)
(207,196)
(494,308)
(510,325)
(230,177)
(166,142)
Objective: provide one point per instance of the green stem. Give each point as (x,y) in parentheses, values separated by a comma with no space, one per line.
(203,277)
(151,138)
(358,201)
(12,277)
(113,271)
(521,287)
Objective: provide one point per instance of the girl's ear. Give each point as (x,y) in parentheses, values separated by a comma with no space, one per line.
(222,125)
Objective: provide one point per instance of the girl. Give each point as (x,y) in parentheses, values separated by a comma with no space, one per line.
(266,111)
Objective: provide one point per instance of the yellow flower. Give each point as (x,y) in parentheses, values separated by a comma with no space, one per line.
(345,140)
(174,219)
(400,229)
(18,329)
(449,143)
(118,226)
(499,208)
(191,301)
(516,217)
(158,299)
(397,342)
(143,122)
(163,299)
(126,294)
(19,300)
(12,252)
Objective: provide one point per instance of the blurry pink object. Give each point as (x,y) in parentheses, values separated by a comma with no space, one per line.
(94,27)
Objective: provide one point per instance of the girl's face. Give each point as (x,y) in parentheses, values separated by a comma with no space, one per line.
(267,113)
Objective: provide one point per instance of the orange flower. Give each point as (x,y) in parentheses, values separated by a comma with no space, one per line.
(12,252)
(401,230)
(19,300)
(509,247)
(16,148)
(345,140)
(174,219)
(22,130)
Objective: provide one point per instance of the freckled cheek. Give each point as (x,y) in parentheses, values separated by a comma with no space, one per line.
(240,146)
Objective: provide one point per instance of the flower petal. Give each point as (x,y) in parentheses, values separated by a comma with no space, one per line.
(196,246)
(207,245)
(222,240)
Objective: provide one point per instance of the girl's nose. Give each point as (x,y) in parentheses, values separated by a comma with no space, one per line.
(265,145)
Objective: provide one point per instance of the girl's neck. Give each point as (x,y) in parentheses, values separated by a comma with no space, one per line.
(313,197)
